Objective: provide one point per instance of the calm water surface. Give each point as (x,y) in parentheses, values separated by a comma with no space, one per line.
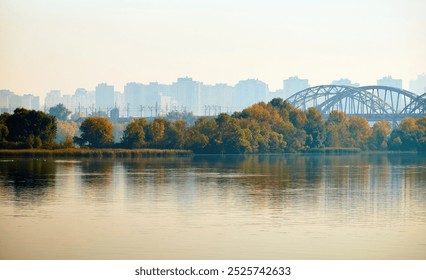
(215,207)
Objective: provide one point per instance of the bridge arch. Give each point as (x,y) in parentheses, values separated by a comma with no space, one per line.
(417,106)
(373,102)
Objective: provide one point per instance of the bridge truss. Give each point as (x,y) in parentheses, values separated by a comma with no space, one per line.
(372,102)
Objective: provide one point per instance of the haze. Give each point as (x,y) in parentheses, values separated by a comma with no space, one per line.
(49,44)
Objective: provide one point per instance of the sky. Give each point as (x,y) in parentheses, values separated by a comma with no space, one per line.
(67,44)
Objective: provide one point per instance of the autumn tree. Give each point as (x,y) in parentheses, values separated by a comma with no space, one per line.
(359,132)
(155,132)
(337,129)
(134,134)
(405,136)
(65,133)
(409,135)
(96,132)
(379,135)
(265,126)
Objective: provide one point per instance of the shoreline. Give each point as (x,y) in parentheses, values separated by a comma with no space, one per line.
(92,153)
(145,153)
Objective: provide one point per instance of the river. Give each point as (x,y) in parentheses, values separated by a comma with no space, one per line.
(363,206)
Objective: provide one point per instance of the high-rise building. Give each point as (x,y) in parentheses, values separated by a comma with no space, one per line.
(133,94)
(30,102)
(250,92)
(418,86)
(293,85)
(388,81)
(82,101)
(187,93)
(52,99)
(10,101)
(5,100)
(105,97)
(216,99)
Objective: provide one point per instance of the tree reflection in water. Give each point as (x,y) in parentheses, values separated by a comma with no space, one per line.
(30,181)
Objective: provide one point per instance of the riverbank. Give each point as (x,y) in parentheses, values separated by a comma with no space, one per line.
(333,151)
(92,153)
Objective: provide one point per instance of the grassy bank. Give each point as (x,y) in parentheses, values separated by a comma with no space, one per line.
(333,151)
(92,153)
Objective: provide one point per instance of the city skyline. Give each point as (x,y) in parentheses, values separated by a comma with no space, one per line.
(66,45)
(400,83)
(184,95)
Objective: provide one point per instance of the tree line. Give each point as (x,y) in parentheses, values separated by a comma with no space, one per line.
(273,127)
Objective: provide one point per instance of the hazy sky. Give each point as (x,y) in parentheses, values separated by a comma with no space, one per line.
(52,44)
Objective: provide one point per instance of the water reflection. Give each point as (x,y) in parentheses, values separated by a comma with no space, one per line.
(28,181)
(96,179)
(263,206)
(346,184)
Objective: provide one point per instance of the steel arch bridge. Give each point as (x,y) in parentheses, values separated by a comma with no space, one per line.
(372,102)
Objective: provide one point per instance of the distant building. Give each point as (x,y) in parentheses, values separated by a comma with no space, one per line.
(217,99)
(187,93)
(30,102)
(150,100)
(250,92)
(133,94)
(344,82)
(293,85)
(418,86)
(165,104)
(388,81)
(105,97)
(9,101)
(53,98)
(82,102)
(5,100)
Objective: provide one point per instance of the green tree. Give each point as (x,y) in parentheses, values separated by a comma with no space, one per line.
(195,141)
(379,135)
(37,142)
(421,124)
(409,135)
(60,112)
(26,125)
(406,136)
(134,134)
(96,132)
(175,134)
(4,132)
(188,117)
(4,117)
(206,136)
(232,139)
(314,128)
